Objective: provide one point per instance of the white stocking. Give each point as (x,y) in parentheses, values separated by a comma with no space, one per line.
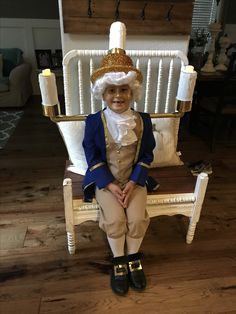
(117,246)
(133,244)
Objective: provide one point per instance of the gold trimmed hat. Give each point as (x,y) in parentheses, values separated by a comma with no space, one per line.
(116,60)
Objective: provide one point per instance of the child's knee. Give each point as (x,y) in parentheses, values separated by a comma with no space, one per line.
(138,228)
(115,229)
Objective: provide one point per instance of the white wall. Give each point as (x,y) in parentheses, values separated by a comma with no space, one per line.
(28,35)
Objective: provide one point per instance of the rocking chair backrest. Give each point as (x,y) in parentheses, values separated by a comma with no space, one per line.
(160,68)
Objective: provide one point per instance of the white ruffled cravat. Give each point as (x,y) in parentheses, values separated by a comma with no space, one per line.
(121,125)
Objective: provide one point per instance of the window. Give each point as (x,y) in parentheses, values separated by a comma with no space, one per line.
(204,13)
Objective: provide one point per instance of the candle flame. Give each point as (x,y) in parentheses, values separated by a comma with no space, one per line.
(189,69)
(46,72)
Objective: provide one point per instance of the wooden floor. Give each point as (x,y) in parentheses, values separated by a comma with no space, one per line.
(39,276)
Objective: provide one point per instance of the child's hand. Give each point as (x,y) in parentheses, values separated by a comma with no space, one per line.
(129,187)
(117,192)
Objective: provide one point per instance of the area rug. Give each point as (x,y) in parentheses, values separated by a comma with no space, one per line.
(8,122)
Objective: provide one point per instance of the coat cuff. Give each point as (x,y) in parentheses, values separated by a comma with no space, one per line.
(139,174)
(102,175)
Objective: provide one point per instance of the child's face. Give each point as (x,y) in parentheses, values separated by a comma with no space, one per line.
(118,97)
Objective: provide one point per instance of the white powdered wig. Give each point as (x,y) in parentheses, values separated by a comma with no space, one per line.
(117,78)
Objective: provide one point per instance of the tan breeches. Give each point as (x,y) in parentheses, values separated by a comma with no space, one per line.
(116,221)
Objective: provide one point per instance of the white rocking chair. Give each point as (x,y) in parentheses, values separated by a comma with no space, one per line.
(179,192)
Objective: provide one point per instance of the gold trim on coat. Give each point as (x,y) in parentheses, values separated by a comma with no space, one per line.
(140,138)
(143,164)
(96,166)
(105,128)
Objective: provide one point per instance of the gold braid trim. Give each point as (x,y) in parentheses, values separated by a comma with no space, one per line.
(96,166)
(105,129)
(143,164)
(140,139)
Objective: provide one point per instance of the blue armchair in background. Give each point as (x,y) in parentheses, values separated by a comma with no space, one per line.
(15,82)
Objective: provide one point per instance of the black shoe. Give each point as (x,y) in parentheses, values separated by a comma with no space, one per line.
(119,276)
(136,275)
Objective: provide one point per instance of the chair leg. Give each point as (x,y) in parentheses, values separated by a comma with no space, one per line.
(191,232)
(199,192)
(71,242)
(69,216)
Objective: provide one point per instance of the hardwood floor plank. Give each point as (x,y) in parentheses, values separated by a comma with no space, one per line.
(187,297)
(31,306)
(12,238)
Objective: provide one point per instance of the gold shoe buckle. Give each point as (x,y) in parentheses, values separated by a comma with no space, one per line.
(120,270)
(135,265)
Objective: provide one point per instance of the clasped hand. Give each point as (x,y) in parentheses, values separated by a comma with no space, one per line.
(123,196)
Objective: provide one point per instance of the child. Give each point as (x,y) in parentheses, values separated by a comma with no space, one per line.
(118,145)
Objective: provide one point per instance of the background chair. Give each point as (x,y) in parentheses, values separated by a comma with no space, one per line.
(15,82)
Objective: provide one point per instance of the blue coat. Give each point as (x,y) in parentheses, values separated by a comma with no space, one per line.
(95,142)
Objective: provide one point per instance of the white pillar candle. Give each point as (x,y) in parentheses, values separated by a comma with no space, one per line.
(117,38)
(187,83)
(48,88)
